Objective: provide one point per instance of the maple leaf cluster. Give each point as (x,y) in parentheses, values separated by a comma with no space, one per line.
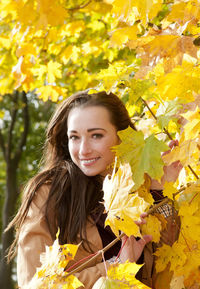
(148,53)
(52,272)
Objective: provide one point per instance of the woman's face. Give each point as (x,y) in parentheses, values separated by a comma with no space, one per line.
(91,135)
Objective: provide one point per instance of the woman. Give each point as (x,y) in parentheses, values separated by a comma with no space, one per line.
(66,194)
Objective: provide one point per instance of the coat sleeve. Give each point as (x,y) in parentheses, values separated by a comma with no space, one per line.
(34,236)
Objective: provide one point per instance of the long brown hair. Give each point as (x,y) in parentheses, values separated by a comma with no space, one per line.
(73,196)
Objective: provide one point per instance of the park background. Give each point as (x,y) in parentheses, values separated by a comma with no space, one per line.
(147,52)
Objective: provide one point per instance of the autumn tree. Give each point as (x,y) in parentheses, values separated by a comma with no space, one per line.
(21,143)
(145,51)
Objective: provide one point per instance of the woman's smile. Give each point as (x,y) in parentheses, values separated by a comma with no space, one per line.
(88,162)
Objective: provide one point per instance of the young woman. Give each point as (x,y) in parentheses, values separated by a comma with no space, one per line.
(66,194)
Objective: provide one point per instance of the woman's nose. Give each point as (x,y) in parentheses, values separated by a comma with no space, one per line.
(85,148)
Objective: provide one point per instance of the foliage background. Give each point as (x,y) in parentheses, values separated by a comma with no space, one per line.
(145,51)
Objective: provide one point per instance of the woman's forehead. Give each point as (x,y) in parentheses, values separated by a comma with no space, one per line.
(89,117)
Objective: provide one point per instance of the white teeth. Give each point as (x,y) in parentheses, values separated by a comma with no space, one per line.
(88,161)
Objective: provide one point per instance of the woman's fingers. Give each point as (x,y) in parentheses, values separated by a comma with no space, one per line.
(145,239)
(142,219)
(171,145)
(143,215)
(132,248)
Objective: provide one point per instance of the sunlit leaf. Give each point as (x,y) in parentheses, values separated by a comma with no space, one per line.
(143,155)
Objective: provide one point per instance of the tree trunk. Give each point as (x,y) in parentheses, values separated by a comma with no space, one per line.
(7,238)
(12,153)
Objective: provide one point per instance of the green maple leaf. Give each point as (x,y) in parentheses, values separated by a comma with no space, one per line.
(143,155)
(170,110)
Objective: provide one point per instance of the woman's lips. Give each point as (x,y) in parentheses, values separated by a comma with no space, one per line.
(88,162)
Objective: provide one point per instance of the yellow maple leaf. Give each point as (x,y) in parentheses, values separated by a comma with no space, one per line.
(125,275)
(192,127)
(56,257)
(39,70)
(144,191)
(191,190)
(74,28)
(169,190)
(189,223)
(182,153)
(50,92)
(191,266)
(122,206)
(123,9)
(183,82)
(52,272)
(99,7)
(92,47)
(188,208)
(70,52)
(122,35)
(66,54)
(117,71)
(183,12)
(5,42)
(54,281)
(53,71)
(134,10)
(55,48)
(8,8)
(26,12)
(148,9)
(152,227)
(50,13)
(26,48)
(22,73)
(71,282)
(175,255)
(193,280)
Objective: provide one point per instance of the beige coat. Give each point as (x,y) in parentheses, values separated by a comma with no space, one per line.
(35,236)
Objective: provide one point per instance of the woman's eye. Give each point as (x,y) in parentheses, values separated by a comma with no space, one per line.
(73,137)
(97,135)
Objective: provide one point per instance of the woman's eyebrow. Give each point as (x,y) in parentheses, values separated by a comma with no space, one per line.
(95,128)
(89,129)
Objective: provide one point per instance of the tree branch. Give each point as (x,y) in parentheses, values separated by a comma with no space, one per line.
(24,134)
(12,124)
(2,145)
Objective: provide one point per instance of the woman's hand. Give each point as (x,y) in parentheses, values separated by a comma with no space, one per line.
(132,248)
